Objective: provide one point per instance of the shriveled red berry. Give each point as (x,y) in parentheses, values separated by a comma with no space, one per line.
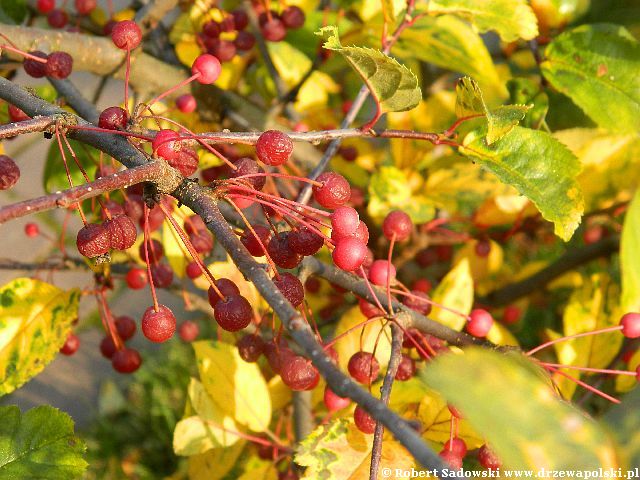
(406,368)
(299,374)
(137,278)
(277,354)
(273,30)
(107,347)
(211,29)
(233,313)
(186,103)
(240,19)
(453,460)
(381,272)
(290,287)
(126,35)
(333,402)
(9,172)
(223,50)
(126,327)
(207,67)
(274,147)
(225,286)
(364,421)
(457,446)
(57,18)
(31,230)
(344,221)
(113,118)
(422,304)
(158,325)
(122,232)
(349,254)
(93,240)
(281,253)
(164,144)
(188,331)
(193,270)
(480,322)
(33,68)
(305,241)
(244,41)
(155,250)
(488,459)
(45,6)
(251,243)
(126,360)
(250,347)
(71,344)
(185,161)
(369,310)
(59,65)
(334,192)
(247,166)
(397,224)
(162,275)
(85,7)
(363,367)
(630,323)
(293,17)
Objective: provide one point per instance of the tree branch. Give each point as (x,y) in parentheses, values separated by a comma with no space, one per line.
(37,124)
(72,95)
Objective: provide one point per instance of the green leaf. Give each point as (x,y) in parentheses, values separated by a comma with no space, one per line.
(523,91)
(35,319)
(512,19)
(393,85)
(55,176)
(389,189)
(630,257)
(450,43)
(13,11)
(39,445)
(597,67)
(539,167)
(496,391)
(469,100)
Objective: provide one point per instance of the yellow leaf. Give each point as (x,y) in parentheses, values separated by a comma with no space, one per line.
(624,383)
(280,394)
(455,291)
(500,335)
(187,51)
(126,14)
(370,334)
(482,268)
(215,463)
(175,251)
(235,386)
(257,469)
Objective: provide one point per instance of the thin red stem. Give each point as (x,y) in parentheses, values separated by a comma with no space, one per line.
(571,337)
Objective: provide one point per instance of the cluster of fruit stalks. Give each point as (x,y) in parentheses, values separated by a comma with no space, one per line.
(282,249)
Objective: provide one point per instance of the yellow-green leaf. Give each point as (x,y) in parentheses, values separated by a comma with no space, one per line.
(630,258)
(455,291)
(35,318)
(624,421)
(235,386)
(393,85)
(175,251)
(512,19)
(497,391)
(216,463)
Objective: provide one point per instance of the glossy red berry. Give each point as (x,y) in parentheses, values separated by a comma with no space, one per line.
(457,446)
(361,233)
(381,272)
(59,65)
(305,241)
(9,172)
(250,347)
(349,254)
(45,6)
(207,67)
(293,17)
(281,253)
(126,360)
(299,374)
(453,460)
(364,421)
(226,288)
(630,323)
(480,322)
(126,35)
(344,221)
(186,103)
(164,144)
(137,278)
(488,459)
(251,243)
(188,331)
(31,230)
(334,191)
(273,30)
(93,240)
(397,224)
(247,166)
(122,232)
(126,327)
(422,304)
(113,118)
(158,325)
(333,402)
(277,354)
(274,147)
(85,7)
(33,68)
(233,313)
(71,344)
(290,287)
(406,368)
(363,367)
(107,347)
(57,18)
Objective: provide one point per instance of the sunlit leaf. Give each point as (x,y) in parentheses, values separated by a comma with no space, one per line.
(524,91)
(35,319)
(216,463)
(55,177)
(257,469)
(455,291)
(624,422)
(597,67)
(630,258)
(496,391)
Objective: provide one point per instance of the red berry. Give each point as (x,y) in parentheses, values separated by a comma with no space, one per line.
(251,243)
(250,347)
(211,29)
(126,360)
(85,7)
(34,68)
(511,315)
(223,50)
(165,145)
(483,248)
(344,221)
(154,249)
(426,257)
(162,275)
(57,18)
(93,240)
(193,270)
(423,307)
(444,252)
(247,166)
(333,402)
(277,354)
(9,172)
(122,232)
(290,287)
(630,323)
(381,272)
(299,374)
(349,254)
(488,459)
(156,219)
(126,327)
(226,287)
(228,24)
(71,345)
(281,253)
(45,6)
(453,460)
(244,41)
(369,310)
(194,224)
(480,322)
(240,19)
(188,331)
(31,230)
(15,114)
(349,153)
(363,367)
(593,234)
(293,17)
(406,369)
(233,313)
(364,421)
(273,30)
(186,103)
(274,147)
(457,446)
(113,118)
(137,278)
(126,35)
(399,224)
(361,233)
(335,190)
(207,67)
(107,347)
(305,241)
(185,161)
(59,65)
(158,325)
